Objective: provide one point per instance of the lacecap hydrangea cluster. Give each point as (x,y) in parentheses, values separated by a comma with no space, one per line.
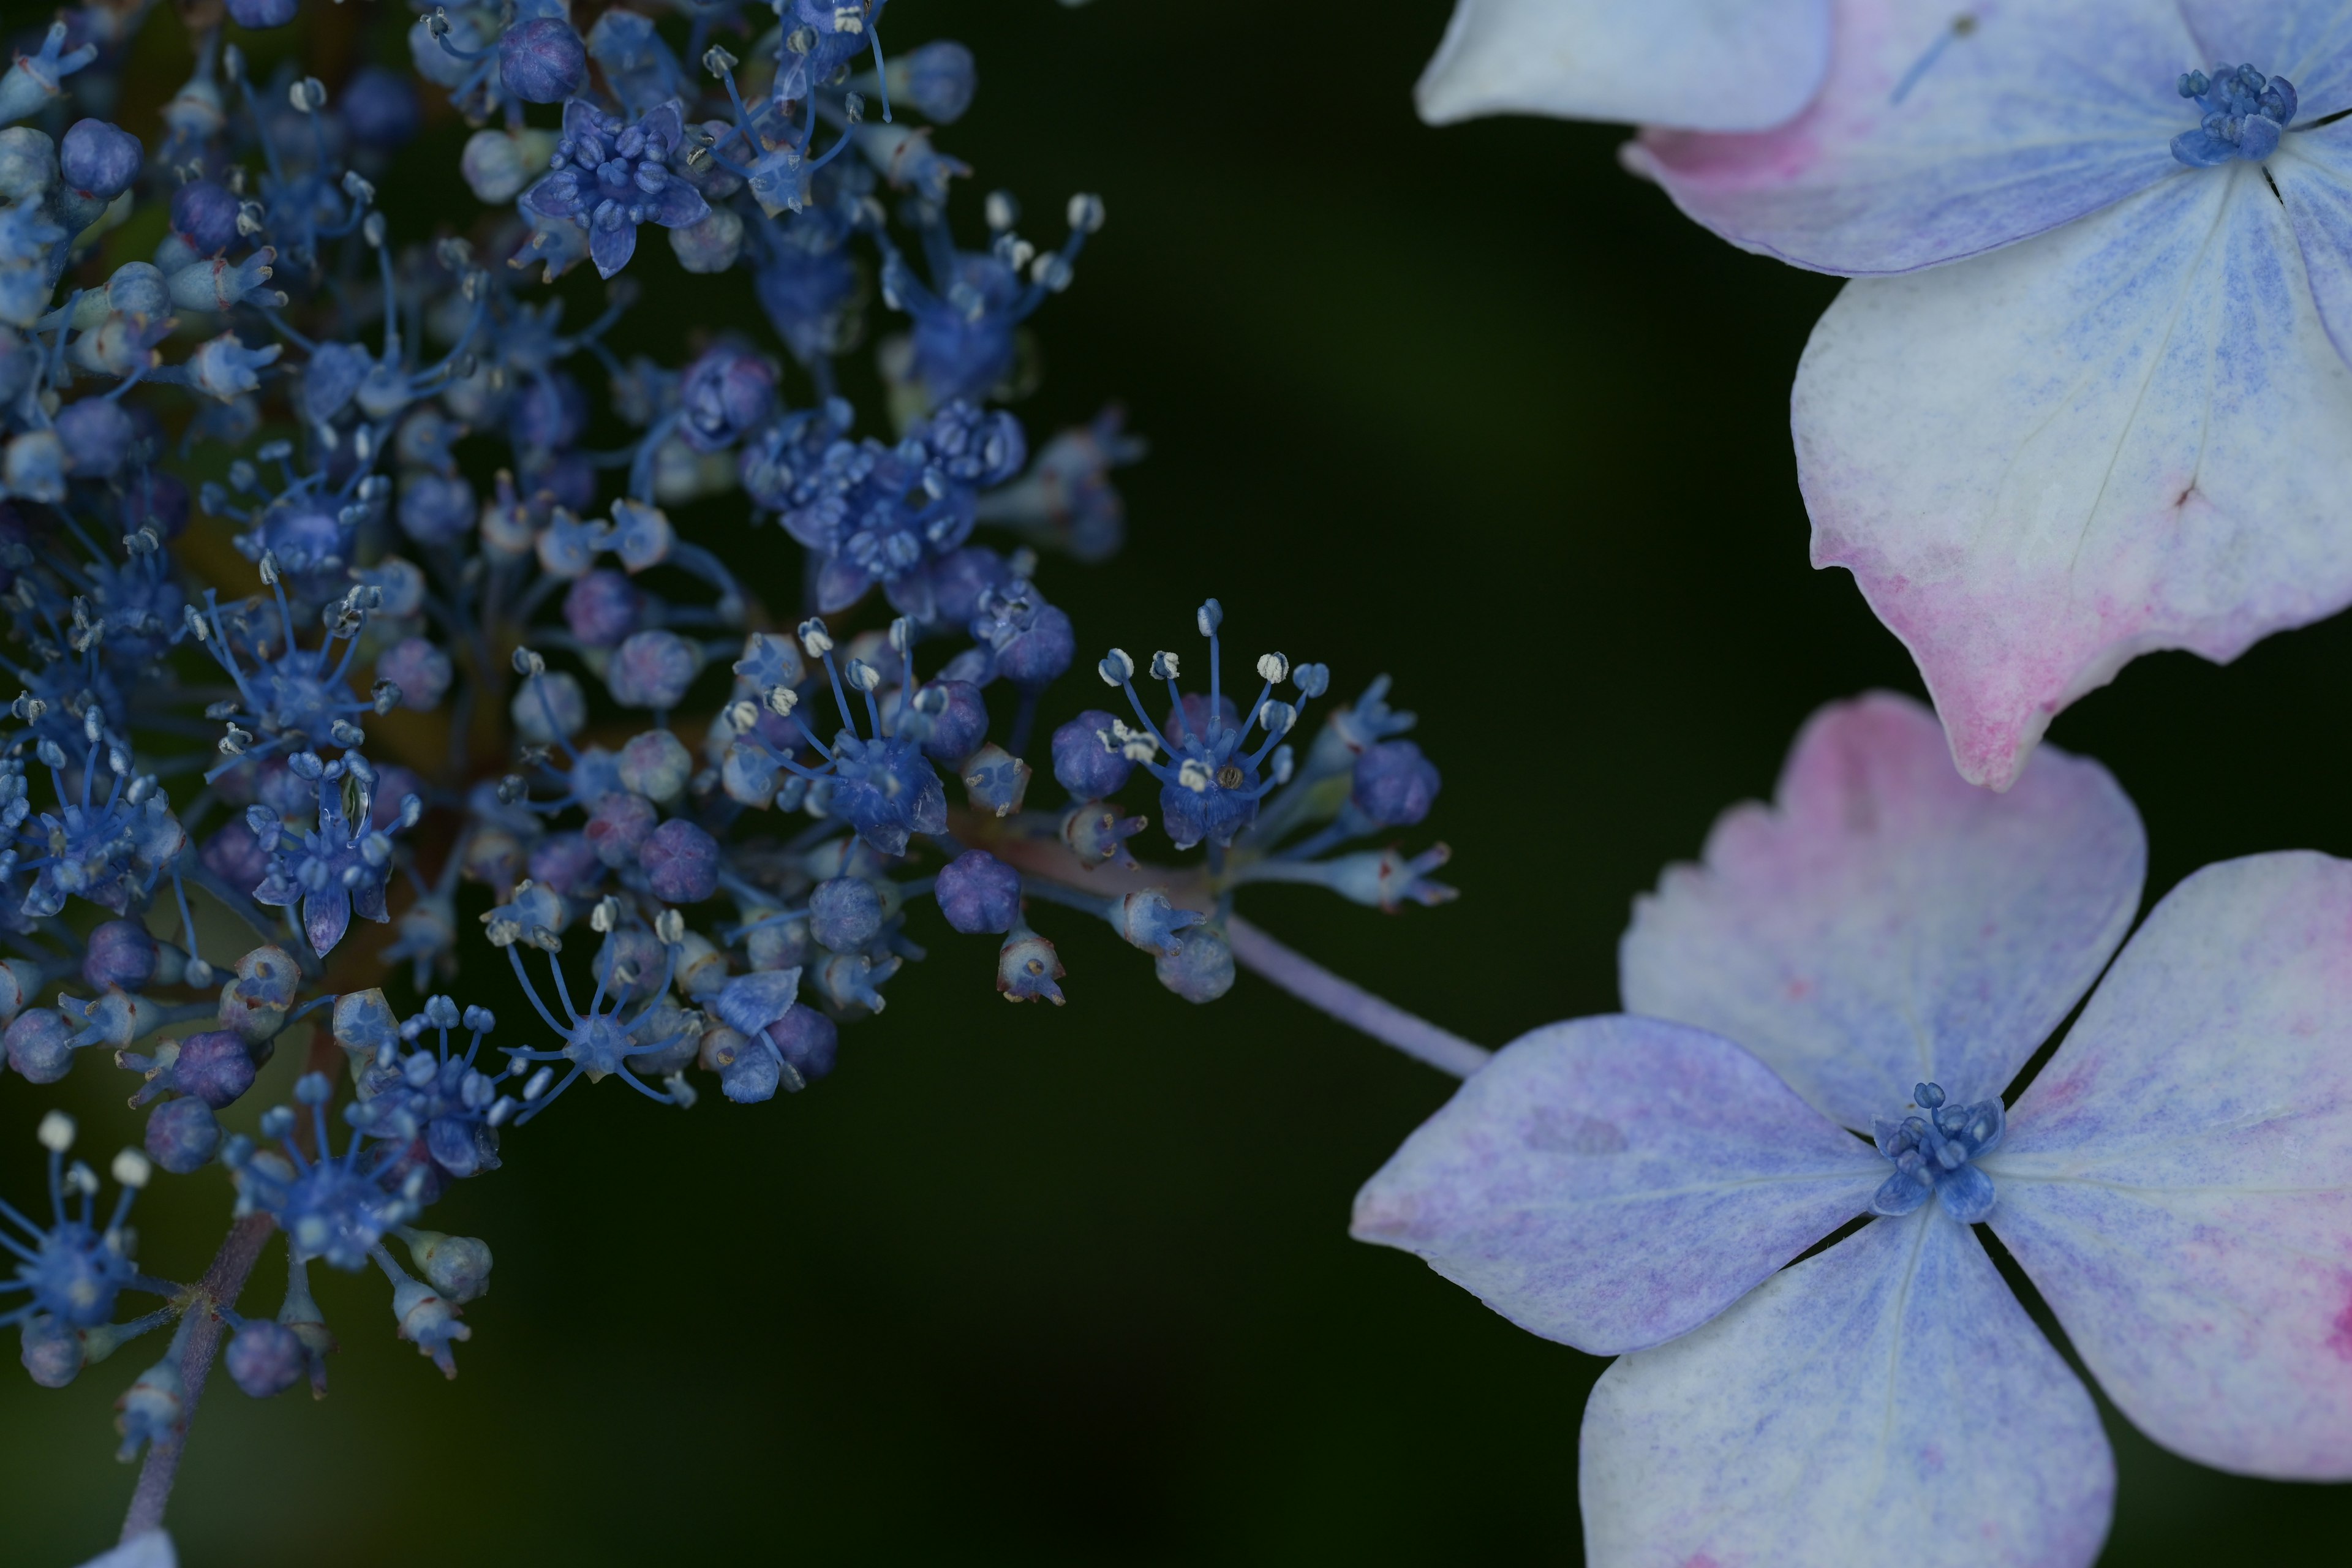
(273,473)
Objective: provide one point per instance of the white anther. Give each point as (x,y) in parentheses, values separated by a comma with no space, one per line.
(1278,717)
(538,1084)
(862,676)
(1272,669)
(1135,745)
(82,1179)
(1164,665)
(131,1169)
(1003,211)
(781,700)
(1085,211)
(848,19)
(269,569)
(902,635)
(57,1134)
(814,638)
(670,927)
(1209,617)
(605,915)
(1116,669)
(1194,775)
(1282,765)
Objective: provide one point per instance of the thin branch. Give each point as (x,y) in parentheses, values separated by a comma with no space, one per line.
(1351,1004)
(220,1287)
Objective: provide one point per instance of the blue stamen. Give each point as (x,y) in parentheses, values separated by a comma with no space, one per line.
(1933,1149)
(2245,114)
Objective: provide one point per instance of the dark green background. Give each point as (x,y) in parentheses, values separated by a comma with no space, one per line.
(1471,406)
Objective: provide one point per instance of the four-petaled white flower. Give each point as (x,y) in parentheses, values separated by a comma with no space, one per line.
(1887,946)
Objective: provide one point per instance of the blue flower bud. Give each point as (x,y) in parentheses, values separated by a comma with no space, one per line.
(1395,785)
(651,669)
(749,1070)
(1027,968)
(51,1351)
(120,954)
(34,466)
(681,862)
(258,14)
(1202,970)
(807,1041)
(98,160)
(1087,760)
(845,913)
(422,672)
(937,78)
(204,217)
(1147,919)
(152,1409)
(949,720)
(380,108)
(39,1044)
(459,1267)
(264,1358)
(998,781)
(548,707)
(1097,834)
(710,244)
(656,765)
(603,607)
(182,1135)
(436,509)
(977,892)
(97,435)
(619,825)
(216,1067)
(724,392)
(542,60)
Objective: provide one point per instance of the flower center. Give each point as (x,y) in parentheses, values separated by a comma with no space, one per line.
(1932,1148)
(2245,113)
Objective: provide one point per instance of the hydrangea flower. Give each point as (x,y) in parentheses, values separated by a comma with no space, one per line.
(1699,64)
(1885,947)
(2099,410)
(609,175)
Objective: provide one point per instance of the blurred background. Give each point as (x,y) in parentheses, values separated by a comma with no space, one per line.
(1473,407)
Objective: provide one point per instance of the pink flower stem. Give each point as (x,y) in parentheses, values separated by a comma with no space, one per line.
(1351,1004)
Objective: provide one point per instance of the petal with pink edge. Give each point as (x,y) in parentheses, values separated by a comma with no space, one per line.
(2179,1180)
(1887,1402)
(1713,65)
(1612,1182)
(2309,42)
(2122,437)
(1883,923)
(1936,137)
